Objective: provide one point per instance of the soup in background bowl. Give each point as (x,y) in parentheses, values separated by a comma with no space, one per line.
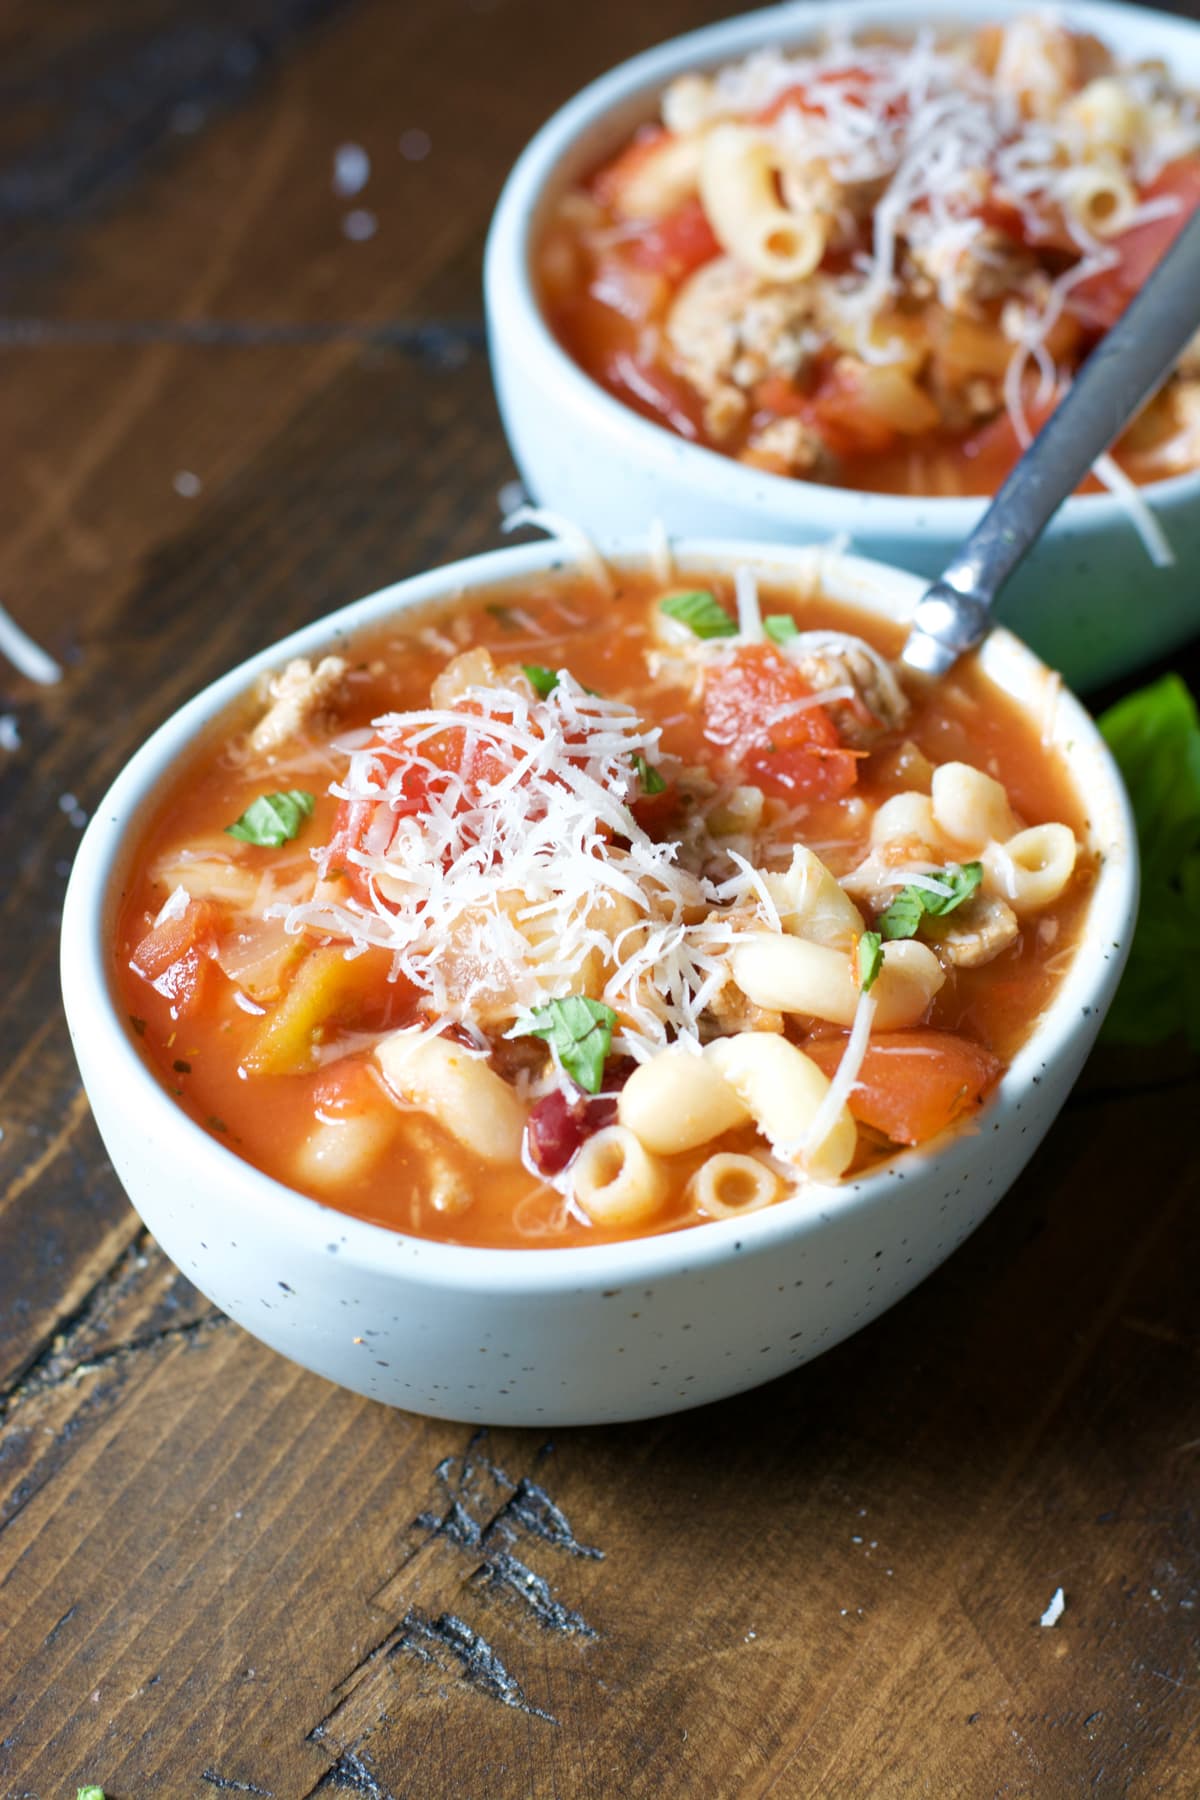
(875,392)
(509,996)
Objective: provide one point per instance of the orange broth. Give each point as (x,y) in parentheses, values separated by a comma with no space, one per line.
(198,1045)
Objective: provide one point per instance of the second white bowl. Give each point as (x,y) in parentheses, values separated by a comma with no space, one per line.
(1088,599)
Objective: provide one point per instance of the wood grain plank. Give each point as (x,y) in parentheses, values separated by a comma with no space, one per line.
(218,1574)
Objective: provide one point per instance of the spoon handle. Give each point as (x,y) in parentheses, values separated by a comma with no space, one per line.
(1120,375)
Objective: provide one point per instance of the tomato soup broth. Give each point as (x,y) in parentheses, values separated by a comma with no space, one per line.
(876,263)
(240,959)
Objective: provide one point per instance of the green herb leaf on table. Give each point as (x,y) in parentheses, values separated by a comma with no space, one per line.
(902,918)
(273,819)
(543,681)
(1154,735)
(701,612)
(89,1793)
(780,627)
(579,1031)
(652,782)
(870,960)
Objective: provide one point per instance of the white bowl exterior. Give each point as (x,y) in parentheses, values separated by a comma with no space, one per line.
(585,454)
(593,1335)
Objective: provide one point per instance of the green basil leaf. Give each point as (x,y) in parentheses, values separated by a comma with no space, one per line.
(903,917)
(579,1031)
(652,782)
(89,1793)
(779,627)
(543,681)
(273,819)
(870,959)
(1154,734)
(701,612)
(962,880)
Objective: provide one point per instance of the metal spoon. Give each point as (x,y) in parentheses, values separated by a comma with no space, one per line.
(1117,379)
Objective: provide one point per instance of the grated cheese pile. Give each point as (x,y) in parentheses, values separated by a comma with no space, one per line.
(531,883)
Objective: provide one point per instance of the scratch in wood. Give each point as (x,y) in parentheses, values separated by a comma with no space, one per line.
(526,1508)
(46,1374)
(228,1785)
(58,1625)
(349,1774)
(532,1509)
(480,1666)
(512,1576)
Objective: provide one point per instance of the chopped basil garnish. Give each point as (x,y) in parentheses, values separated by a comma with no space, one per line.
(542,681)
(701,612)
(903,917)
(579,1031)
(273,819)
(870,959)
(779,627)
(89,1793)
(652,782)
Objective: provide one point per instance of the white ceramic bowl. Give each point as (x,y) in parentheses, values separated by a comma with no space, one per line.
(524,1337)
(1088,599)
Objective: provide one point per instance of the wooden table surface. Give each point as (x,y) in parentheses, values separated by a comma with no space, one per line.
(223,412)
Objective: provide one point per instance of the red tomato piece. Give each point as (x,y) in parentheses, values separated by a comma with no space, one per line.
(913,1084)
(678,243)
(807,96)
(174,956)
(655,813)
(794,755)
(1100,300)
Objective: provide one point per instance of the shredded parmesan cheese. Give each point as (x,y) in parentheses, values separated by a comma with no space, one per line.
(845,1077)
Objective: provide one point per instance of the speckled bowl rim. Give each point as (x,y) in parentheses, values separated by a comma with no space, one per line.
(93,895)
(512,304)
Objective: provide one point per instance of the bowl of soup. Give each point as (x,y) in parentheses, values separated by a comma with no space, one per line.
(569,987)
(788,280)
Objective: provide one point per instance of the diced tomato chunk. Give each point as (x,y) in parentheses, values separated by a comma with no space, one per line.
(165,944)
(913,1084)
(807,96)
(1100,300)
(174,956)
(656,813)
(795,755)
(678,243)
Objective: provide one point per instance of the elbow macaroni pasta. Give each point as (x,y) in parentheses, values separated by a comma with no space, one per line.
(616,1180)
(782,1090)
(738,174)
(793,975)
(468,1100)
(1032,868)
(728,1185)
(677,1101)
